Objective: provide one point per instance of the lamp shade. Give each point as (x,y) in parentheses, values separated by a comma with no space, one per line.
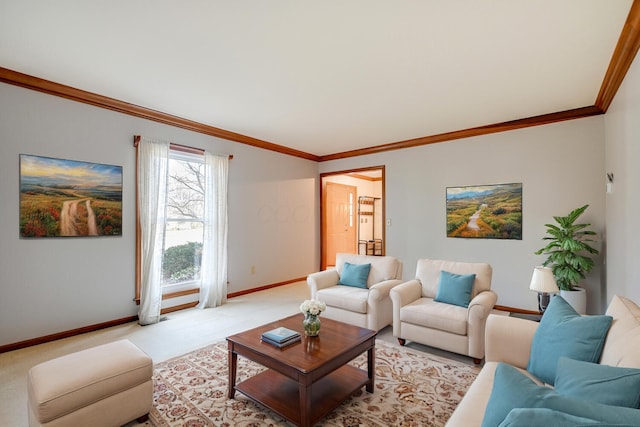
(543,280)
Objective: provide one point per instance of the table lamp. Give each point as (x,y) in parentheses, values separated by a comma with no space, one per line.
(544,284)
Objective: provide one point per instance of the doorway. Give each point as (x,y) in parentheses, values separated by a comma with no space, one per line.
(352,213)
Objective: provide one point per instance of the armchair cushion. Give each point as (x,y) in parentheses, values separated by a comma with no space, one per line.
(348,298)
(382,267)
(455,288)
(564,332)
(431,314)
(355,275)
(428,273)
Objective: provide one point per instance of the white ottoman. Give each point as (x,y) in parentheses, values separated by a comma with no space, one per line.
(108,385)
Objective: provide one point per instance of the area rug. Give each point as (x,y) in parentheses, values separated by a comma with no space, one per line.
(412,388)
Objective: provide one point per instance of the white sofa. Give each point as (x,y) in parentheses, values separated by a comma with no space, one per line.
(509,340)
(365,307)
(418,317)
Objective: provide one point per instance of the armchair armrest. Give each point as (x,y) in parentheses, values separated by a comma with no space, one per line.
(406,293)
(508,339)
(479,309)
(402,295)
(321,280)
(481,305)
(381,290)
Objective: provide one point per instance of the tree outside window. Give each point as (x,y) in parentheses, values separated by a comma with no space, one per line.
(184,227)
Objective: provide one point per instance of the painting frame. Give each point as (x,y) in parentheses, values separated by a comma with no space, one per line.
(69,198)
(485,211)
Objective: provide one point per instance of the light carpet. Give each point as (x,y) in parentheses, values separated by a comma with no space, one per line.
(412,388)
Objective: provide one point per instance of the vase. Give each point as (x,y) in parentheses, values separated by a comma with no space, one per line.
(577,298)
(311,325)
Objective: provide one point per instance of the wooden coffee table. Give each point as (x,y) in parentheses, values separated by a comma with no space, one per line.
(306,380)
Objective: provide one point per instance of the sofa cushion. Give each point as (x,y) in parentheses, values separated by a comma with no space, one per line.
(622,346)
(564,332)
(355,275)
(345,297)
(605,384)
(511,389)
(382,267)
(435,315)
(455,288)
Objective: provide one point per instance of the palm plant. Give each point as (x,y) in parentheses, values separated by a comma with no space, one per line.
(568,249)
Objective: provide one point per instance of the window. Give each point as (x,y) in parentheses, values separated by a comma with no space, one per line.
(184,227)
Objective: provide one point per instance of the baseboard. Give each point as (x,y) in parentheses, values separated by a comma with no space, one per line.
(92,328)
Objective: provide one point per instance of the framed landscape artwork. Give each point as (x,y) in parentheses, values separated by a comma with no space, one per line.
(69,198)
(485,211)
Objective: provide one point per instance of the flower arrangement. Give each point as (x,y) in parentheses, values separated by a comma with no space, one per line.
(312,307)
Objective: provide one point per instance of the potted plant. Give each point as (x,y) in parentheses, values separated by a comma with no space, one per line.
(569,255)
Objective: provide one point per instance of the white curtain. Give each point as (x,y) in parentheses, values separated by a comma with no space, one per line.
(153,167)
(213,272)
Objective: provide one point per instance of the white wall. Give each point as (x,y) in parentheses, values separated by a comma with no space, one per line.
(561,167)
(623,203)
(58,284)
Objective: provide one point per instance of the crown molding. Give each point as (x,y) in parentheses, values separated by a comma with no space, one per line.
(79,95)
(622,58)
(543,119)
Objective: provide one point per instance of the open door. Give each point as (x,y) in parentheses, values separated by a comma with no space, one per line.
(343,225)
(340,223)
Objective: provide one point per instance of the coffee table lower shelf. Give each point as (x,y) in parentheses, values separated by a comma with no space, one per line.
(281,394)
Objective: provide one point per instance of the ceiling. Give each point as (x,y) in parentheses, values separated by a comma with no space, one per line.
(323,77)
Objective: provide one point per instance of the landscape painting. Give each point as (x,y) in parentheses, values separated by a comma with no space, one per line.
(68,198)
(485,211)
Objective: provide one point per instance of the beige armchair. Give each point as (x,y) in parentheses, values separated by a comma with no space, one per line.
(418,317)
(368,307)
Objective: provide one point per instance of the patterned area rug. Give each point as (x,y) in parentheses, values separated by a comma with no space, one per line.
(412,388)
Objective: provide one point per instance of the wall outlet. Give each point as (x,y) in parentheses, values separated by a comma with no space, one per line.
(253,269)
(388,222)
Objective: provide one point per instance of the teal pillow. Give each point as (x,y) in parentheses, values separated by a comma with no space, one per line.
(455,288)
(543,417)
(355,275)
(609,385)
(563,332)
(512,389)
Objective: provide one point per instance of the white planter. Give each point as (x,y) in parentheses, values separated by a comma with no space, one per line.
(577,299)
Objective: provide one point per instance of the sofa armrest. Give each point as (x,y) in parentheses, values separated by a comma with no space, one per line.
(508,339)
(401,295)
(381,290)
(321,280)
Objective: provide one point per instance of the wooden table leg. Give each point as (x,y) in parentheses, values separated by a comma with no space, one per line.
(371,367)
(305,403)
(233,366)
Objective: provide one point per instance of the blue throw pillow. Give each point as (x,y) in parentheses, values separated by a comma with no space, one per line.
(564,332)
(512,389)
(355,275)
(609,385)
(455,288)
(542,417)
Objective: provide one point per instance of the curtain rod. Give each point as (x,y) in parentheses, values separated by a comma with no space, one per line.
(177,147)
